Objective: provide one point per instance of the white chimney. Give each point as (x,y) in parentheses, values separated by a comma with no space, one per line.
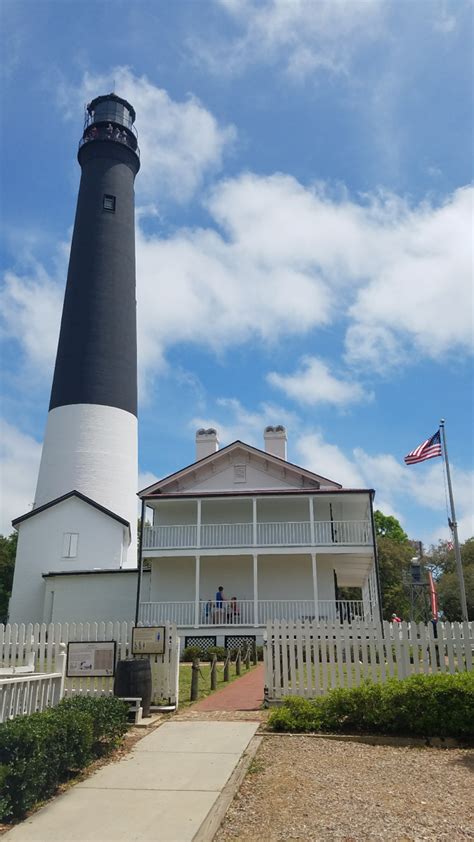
(206,443)
(275,441)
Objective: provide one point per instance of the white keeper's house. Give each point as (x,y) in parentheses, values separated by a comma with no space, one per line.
(280,540)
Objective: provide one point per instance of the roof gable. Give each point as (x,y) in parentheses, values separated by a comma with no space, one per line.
(67,496)
(239,467)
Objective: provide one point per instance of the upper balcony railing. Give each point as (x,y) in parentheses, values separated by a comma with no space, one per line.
(109,131)
(277,534)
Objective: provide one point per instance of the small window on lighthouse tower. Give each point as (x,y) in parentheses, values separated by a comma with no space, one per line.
(109,203)
(70,541)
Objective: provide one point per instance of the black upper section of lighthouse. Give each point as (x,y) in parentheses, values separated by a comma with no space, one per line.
(96,361)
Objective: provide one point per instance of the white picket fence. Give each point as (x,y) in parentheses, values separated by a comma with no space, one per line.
(308,659)
(19,642)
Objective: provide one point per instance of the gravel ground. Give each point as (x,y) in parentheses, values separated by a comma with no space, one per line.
(303,788)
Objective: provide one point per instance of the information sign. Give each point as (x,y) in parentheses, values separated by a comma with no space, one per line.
(148,641)
(92,658)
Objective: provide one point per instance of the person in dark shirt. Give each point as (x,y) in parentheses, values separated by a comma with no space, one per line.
(220,599)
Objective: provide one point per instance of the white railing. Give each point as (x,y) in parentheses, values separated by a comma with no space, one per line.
(242,613)
(26,694)
(273,534)
(327,610)
(166,537)
(342,532)
(308,659)
(286,533)
(22,691)
(226,534)
(157,613)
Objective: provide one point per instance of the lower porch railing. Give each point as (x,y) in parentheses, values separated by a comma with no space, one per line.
(242,613)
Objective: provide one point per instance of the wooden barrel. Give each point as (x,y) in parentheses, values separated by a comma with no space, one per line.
(133,678)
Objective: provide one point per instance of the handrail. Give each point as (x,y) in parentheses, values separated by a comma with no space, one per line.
(242,613)
(269,533)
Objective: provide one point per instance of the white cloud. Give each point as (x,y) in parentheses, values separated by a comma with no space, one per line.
(283,260)
(19,464)
(328,460)
(30,314)
(180,142)
(303,35)
(398,487)
(288,259)
(422,289)
(313,383)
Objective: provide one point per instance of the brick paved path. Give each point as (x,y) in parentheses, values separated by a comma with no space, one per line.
(245,693)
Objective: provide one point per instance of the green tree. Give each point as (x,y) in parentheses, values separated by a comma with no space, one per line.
(7,566)
(442,562)
(387,526)
(394,566)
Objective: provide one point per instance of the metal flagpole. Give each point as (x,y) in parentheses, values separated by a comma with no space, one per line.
(454,527)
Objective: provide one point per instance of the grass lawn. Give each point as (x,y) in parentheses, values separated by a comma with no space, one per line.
(204,680)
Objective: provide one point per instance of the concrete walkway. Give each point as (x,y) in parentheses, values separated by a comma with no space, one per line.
(245,693)
(161,792)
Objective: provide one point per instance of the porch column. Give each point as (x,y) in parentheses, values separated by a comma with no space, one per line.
(254,520)
(198,524)
(255,590)
(311,520)
(196,596)
(315,586)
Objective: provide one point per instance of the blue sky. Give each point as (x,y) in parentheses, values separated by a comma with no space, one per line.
(304,213)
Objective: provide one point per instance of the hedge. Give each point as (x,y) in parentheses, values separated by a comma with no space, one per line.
(439,705)
(41,751)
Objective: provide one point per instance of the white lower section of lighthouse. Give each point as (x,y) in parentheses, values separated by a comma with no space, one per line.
(92,449)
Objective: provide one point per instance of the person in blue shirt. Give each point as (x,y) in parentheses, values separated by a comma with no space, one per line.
(220,599)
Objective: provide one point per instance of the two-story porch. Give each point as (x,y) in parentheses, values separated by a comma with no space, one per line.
(279,554)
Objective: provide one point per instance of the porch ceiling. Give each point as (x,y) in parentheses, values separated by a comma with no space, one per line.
(351,569)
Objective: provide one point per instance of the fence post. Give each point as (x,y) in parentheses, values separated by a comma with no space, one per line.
(254,654)
(247,658)
(214,673)
(238,661)
(61,667)
(226,666)
(195,680)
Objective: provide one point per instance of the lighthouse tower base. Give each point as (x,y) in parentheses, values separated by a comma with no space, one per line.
(92,449)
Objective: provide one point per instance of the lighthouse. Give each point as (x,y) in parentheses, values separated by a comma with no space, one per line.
(86,490)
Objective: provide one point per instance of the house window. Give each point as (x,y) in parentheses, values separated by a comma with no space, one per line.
(109,203)
(70,541)
(240,473)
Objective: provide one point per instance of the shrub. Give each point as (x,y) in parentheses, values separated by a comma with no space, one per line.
(219,651)
(189,653)
(439,705)
(40,751)
(109,718)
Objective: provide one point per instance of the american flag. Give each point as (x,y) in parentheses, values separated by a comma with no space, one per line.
(427,450)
